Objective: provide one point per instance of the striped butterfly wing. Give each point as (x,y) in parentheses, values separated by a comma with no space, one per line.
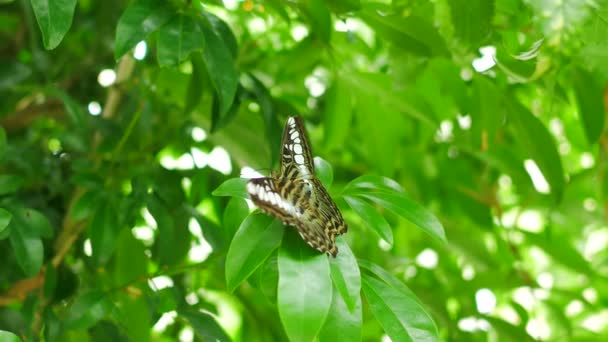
(296,155)
(296,197)
(303,203)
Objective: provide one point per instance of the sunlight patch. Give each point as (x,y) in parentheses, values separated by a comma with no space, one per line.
(487,59)
(299,32)
(140,51)
(160,282)
(538,328)
(164,321)
(106,77)
(538,179)
(198,134)
(485,300)
(94,108)
(219,159)
(428,259)
(531,221)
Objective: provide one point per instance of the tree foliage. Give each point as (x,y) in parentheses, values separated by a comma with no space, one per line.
(464,142)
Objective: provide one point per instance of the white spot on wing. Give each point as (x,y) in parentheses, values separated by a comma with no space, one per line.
(297,148)
(299,159)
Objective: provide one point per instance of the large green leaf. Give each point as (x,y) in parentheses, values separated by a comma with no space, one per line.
(305,288)
(590,100)
(205,325)
(220,64)
(342,323)
(346,275)
(178,38)
(54,19)
(7,336)
(141,18)
(540,146)
(372,183)
(410,210)
(400,315)
(324,171)
(232,187)
(256,238)
(372,217)
(234,214)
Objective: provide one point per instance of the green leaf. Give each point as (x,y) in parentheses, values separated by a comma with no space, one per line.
(72,108)
(324,171)
(371,183)
(88,309)
(319,18)
(86,205)
(28,249)
(590,100)
(399,314)
(54,19)
(411,211)
(7,336)
(232,187)
(50,280)
(166,231)
(472,20)
(305,288)
(3,145)
(537,141)
(103,232)
(197,83)
(10,184)
(372,217)
(488,114)
(134,313)
(342,323)
(26,228)
(5,220)
(346,275)
(234,214)
(338,114)
(205,325)
(32,221)
(343,6)
(139,20)
(255,240)
(377,87)
(178,38)
(220,65)
(410,33)
(131,260)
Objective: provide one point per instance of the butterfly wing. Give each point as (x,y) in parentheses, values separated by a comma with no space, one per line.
(296,155)
(301,203)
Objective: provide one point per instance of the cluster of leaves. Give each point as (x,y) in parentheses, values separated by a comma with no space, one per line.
(102,227)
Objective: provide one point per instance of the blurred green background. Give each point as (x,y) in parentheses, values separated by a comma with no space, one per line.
(464,142)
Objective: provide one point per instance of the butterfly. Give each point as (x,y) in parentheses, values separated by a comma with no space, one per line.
(295,196)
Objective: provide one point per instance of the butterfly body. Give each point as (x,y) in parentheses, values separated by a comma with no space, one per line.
(295,196)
